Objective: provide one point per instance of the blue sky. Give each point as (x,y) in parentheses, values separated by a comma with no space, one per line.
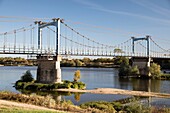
(107,21)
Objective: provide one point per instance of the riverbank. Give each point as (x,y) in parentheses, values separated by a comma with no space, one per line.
(14,103)
(118,91)
(15,107)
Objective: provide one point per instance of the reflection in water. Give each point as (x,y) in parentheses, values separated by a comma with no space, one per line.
(146,85)
(140,84)
(56,95)
(77,96)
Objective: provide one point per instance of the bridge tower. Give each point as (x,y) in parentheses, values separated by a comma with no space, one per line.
(142,62)
(137,39)
(49,70)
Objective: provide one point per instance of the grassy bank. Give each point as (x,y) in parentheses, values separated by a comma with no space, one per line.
(90,107)
(45,101)
(14,109)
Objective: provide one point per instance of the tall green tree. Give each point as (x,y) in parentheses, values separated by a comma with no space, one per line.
(155,70)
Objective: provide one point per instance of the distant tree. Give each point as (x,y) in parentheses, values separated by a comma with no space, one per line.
(78,62)
(27,77)
(86,60)
(155,70)
(72,63)
(117,50)
(77,76)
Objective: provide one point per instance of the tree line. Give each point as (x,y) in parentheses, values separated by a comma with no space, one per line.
(10,61)
(98,62)
(85,62)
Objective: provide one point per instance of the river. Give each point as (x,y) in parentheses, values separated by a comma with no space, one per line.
(94,78)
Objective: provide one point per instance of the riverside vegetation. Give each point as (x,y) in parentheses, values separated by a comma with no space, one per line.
(126,70)
(90,107)
(28,83)
(85,62)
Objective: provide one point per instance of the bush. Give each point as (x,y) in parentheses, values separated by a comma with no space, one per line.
(134,70)
(155,70)
(101,105)
(19,84)
(124,70)
(127,70)
(27,77)
(81,85)
(117,105)
(31,87)
(75,86)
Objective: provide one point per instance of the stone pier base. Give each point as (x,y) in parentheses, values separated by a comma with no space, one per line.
(143,64)
(49,70)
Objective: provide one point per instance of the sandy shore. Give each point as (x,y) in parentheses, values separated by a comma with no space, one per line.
(118,91)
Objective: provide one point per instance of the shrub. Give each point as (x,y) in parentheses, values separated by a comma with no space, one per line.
(101,105)
(27,77)
(117,105)
(155,70)
(19,84)
(31,87)
(124,70)
(81,85)
(75,86)
(134,70)
(60,86)
(55,86)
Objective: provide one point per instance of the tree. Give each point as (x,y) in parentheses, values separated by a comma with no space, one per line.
(78,62)
(127,70)
(117,50)
(86,61)
(77,75)
(27,77)
(120,60)
(135,70)
(124,70)
(72,63)
(155,70)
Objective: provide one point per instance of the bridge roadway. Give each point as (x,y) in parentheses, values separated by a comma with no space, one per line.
(95,54)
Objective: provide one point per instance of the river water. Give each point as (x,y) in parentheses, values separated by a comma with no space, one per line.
(94,78)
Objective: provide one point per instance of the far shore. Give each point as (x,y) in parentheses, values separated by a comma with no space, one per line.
(118,91)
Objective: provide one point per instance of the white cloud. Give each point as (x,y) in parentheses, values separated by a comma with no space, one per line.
(98,7)
(153,7)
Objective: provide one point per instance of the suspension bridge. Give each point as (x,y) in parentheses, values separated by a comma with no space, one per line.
(51,40)
(43,38)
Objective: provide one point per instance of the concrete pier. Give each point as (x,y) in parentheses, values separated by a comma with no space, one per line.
(49,70)
(143,64)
